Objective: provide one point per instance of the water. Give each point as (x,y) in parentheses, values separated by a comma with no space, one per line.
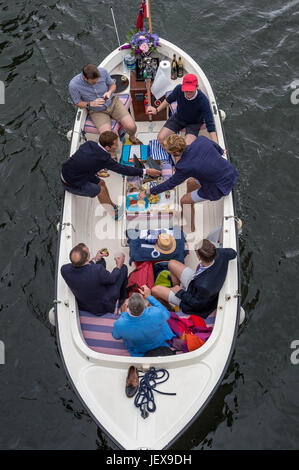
(250,54)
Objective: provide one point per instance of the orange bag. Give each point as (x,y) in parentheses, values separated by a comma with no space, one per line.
(193,342)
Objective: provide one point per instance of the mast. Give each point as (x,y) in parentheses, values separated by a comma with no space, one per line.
(148,4)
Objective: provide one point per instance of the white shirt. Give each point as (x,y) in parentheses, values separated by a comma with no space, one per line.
(193,97)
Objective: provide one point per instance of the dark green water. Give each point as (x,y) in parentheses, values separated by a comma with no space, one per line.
(249,52)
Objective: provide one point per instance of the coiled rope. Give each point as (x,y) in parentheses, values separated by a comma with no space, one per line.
(144,398)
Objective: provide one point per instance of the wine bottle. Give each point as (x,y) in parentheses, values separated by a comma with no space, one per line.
(180,68)
(174,68)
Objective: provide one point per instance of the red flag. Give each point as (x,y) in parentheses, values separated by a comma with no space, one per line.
(141,15)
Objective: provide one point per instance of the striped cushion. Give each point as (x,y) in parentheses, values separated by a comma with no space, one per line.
(97,332)
(115,126)
(157,152)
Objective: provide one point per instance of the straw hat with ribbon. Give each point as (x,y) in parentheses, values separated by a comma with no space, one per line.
(166,243)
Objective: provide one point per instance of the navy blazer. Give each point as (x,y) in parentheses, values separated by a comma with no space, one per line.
(90,158)
(201,297)
(203,160)
(96,289)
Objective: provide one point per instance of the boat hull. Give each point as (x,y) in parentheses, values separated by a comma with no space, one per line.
(99,379)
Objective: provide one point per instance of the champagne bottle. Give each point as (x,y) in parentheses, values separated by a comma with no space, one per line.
(176,63)
(174,68)
(180,68)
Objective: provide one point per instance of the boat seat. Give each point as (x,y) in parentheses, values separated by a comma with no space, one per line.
(89,126)
(172,110)
(97,332)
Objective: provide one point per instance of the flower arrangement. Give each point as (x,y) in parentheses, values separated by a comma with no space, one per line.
(141,42)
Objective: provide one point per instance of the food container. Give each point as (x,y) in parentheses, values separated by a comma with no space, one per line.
(130,62)
(154,198)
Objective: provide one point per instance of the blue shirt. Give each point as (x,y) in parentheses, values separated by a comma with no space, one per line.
(80,90)
(148,331)
(192,111)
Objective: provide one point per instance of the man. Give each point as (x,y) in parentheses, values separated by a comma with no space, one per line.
(79,173)
(143,329)
(196,292)
(94,89)
(210,175)
(193,109)
(96,289)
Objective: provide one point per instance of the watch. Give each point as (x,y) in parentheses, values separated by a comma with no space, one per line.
(88,106)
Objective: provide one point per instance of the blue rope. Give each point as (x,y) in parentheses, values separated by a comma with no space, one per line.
(144,398)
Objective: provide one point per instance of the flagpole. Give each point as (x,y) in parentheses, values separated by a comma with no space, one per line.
(149,16)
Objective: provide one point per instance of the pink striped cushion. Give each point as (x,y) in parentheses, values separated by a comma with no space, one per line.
(115,126)
(97,332)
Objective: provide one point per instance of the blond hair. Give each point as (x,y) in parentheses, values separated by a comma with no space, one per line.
(174,143)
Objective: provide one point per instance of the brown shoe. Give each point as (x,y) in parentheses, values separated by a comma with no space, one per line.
(135,141)
(132,382)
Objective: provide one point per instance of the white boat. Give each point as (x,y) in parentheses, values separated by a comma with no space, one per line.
(99,378)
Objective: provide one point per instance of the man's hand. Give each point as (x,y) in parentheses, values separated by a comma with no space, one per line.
(107,95)
(145,291)
(103,174)
(143,194)
(97,102)
(213,136)
(120,260)
(153,172)
(151,110)
(104,252)
(176,289)
(98,257)
(124,306)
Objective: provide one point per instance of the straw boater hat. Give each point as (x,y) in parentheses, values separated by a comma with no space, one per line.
(166,243)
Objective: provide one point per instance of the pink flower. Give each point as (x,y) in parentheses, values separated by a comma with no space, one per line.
(141,37)
(144,47)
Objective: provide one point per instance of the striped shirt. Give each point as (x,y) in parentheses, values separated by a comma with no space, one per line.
(200,269)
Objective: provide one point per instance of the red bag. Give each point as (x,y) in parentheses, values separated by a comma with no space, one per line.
(142,275)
